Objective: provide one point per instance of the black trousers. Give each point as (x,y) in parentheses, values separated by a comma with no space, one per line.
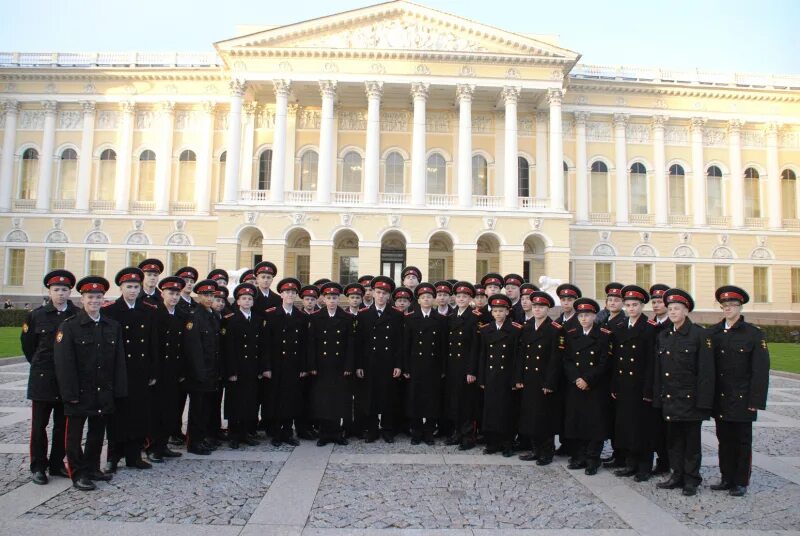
(330,429)
(197,428)
(683,444)
(545,446)
(282,429)
(176,413)
(497,440)
(119,446)
(386,423)
(735,451)
(162,417)
(587,450)
(80,461)
(422,427)
(40,416)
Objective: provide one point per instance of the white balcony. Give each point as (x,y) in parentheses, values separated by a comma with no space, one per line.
(679,219)
(254,195)
(63,204)
(393,199)
(791,224)
(441,200)
(101,204)
(24,204)
(299,196)
(139,207)
(533,202)
(346,198)
(182,206)
(487,201)
(719,221)
(642,219)
(600,217)
(755,223)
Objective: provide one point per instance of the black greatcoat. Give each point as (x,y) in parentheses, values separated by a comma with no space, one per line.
(587,413)
(140,343)
(243,356)
(496,374)
(632,383)
(90,365)
(202,351)
(262,303)
(424,346)
(330,351)
(379,350)
(172,364)
(154,299)
(461,401)
(38,337)
(539,367)
(287,358)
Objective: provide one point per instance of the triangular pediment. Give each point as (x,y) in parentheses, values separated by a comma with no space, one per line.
(397,26)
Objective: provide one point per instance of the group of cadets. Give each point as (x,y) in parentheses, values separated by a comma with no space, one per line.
(465,363)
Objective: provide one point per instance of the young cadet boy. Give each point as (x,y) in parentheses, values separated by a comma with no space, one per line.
(152,269)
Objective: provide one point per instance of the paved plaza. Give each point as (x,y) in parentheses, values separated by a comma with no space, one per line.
(398,489)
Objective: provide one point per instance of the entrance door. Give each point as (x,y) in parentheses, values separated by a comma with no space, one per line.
(392,263)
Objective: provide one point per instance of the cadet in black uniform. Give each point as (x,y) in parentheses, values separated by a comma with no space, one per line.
(492,284)
(512,284)
(742,366)
(219,276)
(401,296)
(612,315)
(683,389)
(366,283)
(90,370)
(187,304)
(567,294)
(481,299)
(38,336)
(248,276)
(526,306)
(265,272)
(658,424)
(304,424)
(152,269)
(411,276)
(442,302)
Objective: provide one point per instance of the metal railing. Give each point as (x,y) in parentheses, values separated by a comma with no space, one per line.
(679,219)
(642,219)
(346,198)
(719,221)
(63,204)
(441,200)
(101,204)
(756,223)
(109,59)
(254,195)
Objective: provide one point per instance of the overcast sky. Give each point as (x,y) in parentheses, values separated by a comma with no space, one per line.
(720,35)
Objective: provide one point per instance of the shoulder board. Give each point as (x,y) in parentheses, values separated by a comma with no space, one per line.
(396,308)
(409,313)
(606,331)
(363,309)
(556,324)
(270,309)
(482,325)
(313,312)
(573,330)
(228,315)
(652,322)
(516,325)
(109,304)
(477,312)
(147,303)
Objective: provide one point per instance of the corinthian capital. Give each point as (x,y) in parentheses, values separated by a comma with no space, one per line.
(10,106)
(419,90)
(282,88)
(581,118)
(659,121)
(374,90)
(327,88)
(89,107)
(621,120)
(128,107)
(772,129)
(464,92)
(554,96)
(735,126)
(510,94)
(50,107)
(698,123)
(237,87)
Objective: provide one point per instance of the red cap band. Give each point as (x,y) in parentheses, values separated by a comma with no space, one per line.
(59,279)
(634,294)
(93,287)
(170,284)
(443,288)
(567,292)
(731,295)
(513,281)
(586,307)
(205,288)
(289,285)
(614,292)
(383,285)
(331,290)
(133,276)
(540,300)
(402,294)
(309,292)
(677,298)
(190,275)
(151,268)
(498,301)
(493,281)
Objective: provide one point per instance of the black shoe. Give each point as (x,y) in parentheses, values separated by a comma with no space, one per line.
(387,437)
(111,466)
(276,442)
(452,440)
(292,441)
(491,449)
(167,453)
(591,468)
(544,461)
(429,441)
(58,471)
(341,441)
(371,437)
(177,441)
(562,451)
(662,467)
(100,475)
(642,477)
(84,484)
(466,445)
(234,444)
(508,452)
(690,491)
(38,477)
(673,483)
(416,440)
(200,450)
(155,457)
(614,463)
(306,434)
(738,491)
(722,485)
(528,457)
(213,442)
(252,442)
(139,464)
(322,442)
(208,445)
(576,464)
(628,471)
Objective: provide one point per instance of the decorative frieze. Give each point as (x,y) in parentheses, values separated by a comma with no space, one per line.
(107,120)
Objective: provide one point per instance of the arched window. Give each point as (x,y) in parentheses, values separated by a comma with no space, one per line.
(714,191)
(308,171)
(106,176)
(524,177)
(223,159)
(67,174)
(351,172)
(28,174)
(677,190)
(752,194)
(436,175)
(638,189)
(147,176)
(187,167)
(264,169)
(480,170)
(566,185)
(395,171)
(599,188)
(789,194)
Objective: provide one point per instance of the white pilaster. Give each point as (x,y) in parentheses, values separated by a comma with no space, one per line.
(737,174)
(85,159)
(464,95)
(556,151)
(11,111)
(419,92)
(45,186)
(164,158)
(581,170)
(327,153)
(122,175)
(541,155)
(291,149)
(775,209)
(621,157)
(234,145)
(660,163)
(698,173)
(372,162)
(202,184)
(248,136)
(511,166)
(277,179)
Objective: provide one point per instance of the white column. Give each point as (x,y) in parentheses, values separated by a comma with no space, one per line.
(85,158)
(660,163)
(698,173)
(202,184)
(277,178)
(581,170)
(234,145)
(737,176)
(541,155)
(372,162)
(122,178)
(291,149)
(464,96)
(419,92)
(164,158)
(248,136)
(556,151)
(621,157)
(775,209)
(11,111)
(327,153)
(45,186)
(511,166)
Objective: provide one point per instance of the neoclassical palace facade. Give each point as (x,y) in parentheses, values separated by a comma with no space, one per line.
(397,134)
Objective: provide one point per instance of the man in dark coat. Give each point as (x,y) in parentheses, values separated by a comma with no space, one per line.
(379,358)
(658,424)
(130,425)
(612,317)
(187,304)
(742,365)
(331,360)
(587,352)
(90,370)
(513,283)
(38,336)
(152,269)
(567,294)
(265,273)
(538,376)
(492,284)
(683,389)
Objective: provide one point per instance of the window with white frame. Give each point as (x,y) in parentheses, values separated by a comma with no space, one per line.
(67,174)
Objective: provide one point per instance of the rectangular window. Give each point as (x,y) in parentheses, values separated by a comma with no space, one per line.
(795,285)
(683,277)
(97,263)
(56,259)
(677,195)
(16,267)
(348,270)
(722,276)
(602,277)
(178,259)
(303,268)
(437,268)
(481,268)
(136,257)
(638,183)
(760,284)
(599,199)
(644,275)
(714,196)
